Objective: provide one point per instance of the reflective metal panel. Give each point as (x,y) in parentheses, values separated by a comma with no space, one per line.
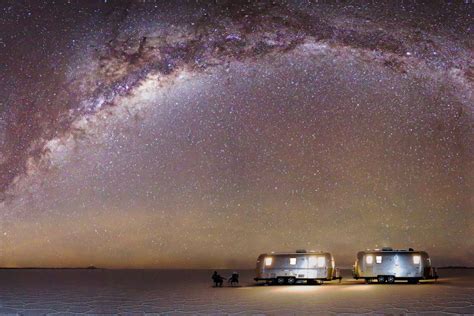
(312,265)
(397,263)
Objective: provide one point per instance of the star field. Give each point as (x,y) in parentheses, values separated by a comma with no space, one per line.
(200,134)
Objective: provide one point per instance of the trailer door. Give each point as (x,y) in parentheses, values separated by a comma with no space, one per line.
(368,264)
(302,267)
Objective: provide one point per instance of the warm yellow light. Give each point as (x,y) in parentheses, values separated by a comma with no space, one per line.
(321,262)
(369,259)
(378,259)
(292,261)
(268,261)
(416,259)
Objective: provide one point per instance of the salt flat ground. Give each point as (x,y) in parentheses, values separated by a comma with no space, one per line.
(66,292)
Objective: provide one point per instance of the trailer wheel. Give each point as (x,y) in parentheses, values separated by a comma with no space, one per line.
(390,279)
(280,281)
(381,279)
(291,281)
(368,281)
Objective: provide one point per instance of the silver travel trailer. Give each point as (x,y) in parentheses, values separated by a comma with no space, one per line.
(296,267)
(388,265)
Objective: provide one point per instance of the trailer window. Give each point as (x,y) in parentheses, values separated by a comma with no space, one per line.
(378,259)
(416,259)
(369,259)
(268,261)
(293,261)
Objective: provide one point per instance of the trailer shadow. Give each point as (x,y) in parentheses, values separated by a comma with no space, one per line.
(397,283)
(296,284)
(228,286)
(354,283)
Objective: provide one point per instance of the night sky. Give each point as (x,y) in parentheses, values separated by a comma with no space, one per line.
(200,134)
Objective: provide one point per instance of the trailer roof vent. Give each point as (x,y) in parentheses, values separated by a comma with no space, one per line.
(411,249)
(300,251)
(387,249)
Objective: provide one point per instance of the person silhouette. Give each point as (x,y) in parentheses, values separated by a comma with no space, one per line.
(234,279)
(217,279)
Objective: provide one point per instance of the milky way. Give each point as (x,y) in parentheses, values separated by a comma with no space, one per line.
(202,134)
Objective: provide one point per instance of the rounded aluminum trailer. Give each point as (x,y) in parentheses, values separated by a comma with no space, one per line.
(388,265)
(296,267)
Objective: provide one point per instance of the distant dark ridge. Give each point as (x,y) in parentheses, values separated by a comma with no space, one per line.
(455,267)
(50,268)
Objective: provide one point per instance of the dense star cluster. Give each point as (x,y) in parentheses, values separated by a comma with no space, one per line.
(200,134)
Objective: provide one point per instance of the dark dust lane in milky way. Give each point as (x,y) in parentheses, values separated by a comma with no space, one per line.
(250,126)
